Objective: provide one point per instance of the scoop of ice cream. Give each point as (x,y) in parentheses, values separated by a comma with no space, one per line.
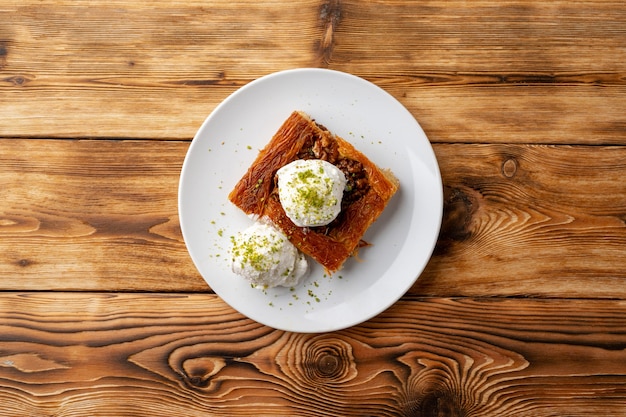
(311,191)
(265,257)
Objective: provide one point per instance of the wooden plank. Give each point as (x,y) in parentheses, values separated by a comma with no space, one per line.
(447,35)
(102,215)
(516,215)
(146,69)
(490,71)
(494,71)
(520,114)
(98,215)
(180,355)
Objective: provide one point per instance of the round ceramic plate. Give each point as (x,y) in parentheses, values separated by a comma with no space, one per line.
(402,238)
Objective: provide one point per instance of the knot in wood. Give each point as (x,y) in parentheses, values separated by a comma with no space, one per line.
(3,54)
(19,80)
(198,371)
(24,263)
(460,204)
(328,364)
(329,360)
(330,11)
(509,168)
(440,403)
(330,15)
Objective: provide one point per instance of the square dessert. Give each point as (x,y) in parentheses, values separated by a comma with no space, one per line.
(367,191)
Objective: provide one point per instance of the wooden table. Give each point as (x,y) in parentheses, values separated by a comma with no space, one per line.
(520,312)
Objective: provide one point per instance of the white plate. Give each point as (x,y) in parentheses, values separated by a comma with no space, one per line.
(403,238)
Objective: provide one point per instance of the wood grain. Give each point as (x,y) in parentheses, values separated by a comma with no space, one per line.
(102,215)
(141,69)
(485,71)
(123,354)
(99,215)
(520,311)
(530,214)
(494,71)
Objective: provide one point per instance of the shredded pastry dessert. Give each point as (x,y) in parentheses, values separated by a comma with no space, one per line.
(367,190)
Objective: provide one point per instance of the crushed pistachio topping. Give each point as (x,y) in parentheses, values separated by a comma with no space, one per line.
(254,251)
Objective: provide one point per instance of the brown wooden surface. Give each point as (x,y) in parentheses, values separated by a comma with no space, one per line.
(131,356)
(520,311)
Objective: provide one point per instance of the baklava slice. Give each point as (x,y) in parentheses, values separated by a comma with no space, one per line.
(367,191)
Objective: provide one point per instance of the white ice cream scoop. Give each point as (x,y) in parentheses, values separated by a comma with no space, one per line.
(265,257)
(311,191)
